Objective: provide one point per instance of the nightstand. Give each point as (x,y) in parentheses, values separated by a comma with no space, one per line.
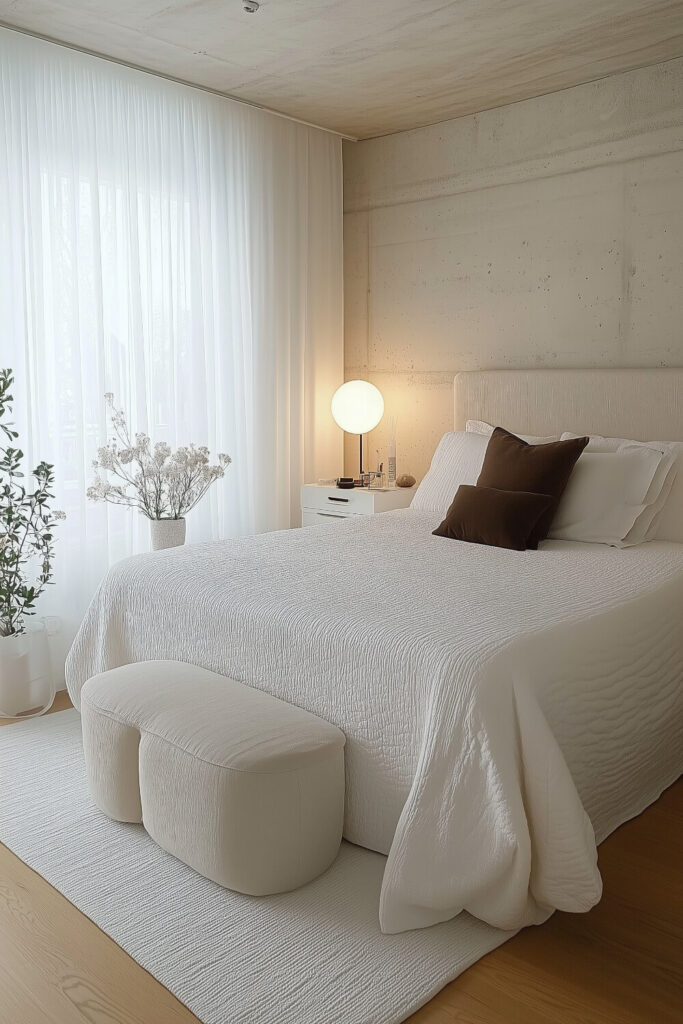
(324,504)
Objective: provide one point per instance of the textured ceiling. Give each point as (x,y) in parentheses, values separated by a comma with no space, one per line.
(366,68)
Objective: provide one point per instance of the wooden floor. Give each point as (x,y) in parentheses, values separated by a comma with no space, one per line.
(620,964)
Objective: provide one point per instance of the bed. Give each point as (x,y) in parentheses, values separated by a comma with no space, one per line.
(504,711)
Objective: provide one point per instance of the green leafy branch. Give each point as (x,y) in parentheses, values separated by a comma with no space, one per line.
(26,527)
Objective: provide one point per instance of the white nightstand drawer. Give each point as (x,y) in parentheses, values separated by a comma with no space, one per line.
(318,517)
(334,499)
(320,503)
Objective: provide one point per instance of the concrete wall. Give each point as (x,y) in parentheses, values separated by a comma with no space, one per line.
(544,233)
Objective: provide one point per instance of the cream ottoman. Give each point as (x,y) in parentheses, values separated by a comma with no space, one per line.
(246,789)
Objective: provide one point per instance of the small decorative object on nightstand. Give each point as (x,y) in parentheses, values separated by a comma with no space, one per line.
(406,480)
(323,504)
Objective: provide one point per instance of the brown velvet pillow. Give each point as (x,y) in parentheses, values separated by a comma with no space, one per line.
(485,515)
(510,464)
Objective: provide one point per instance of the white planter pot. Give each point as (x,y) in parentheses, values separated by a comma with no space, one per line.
(25,674)
(166,533)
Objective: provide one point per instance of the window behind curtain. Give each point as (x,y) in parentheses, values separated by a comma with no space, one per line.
(183,252)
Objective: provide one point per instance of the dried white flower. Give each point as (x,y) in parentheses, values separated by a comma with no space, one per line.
(162,451)
(164,484)
(142,443)
(106,457)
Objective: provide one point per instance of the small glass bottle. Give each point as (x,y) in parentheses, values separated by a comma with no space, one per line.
(391,460)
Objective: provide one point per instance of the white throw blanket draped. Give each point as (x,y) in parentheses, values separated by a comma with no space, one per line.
(495,703)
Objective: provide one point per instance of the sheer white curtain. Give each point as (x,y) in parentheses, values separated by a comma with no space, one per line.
(184,252)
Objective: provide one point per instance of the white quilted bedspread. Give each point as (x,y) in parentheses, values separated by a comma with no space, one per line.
(502,709)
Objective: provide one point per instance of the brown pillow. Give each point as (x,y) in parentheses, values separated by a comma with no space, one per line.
(485,515)
(510,464)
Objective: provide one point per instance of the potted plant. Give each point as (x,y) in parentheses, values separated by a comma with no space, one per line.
(162,484)
(26,556)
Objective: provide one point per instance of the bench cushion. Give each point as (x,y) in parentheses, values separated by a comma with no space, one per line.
(243,787)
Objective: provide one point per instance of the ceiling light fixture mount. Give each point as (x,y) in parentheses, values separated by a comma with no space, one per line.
(250,6)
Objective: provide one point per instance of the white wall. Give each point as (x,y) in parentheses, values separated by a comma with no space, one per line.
(544,233)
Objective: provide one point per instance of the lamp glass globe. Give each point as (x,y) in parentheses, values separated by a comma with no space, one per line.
(357,406)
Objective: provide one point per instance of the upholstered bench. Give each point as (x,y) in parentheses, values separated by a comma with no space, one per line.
(246,789)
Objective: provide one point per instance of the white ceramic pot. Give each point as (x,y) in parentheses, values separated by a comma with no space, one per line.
(25,673)
(166,533)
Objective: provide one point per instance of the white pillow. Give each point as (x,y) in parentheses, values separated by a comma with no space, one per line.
(479,427)
(482,427)
(457,460)
(597,443)
(665,519)
(607,493)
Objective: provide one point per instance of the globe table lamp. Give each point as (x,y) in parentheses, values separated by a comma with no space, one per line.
(357,407)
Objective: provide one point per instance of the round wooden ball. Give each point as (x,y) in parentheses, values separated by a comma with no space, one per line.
(405,480)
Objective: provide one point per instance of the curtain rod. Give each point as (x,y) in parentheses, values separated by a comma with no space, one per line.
(171,78)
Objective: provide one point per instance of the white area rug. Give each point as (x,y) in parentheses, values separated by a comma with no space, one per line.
(315,956)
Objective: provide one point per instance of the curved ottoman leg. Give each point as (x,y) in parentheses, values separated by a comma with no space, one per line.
(181,810)
(257,833)
(111,757)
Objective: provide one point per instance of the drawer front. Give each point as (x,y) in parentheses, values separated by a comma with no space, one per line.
(334,499)
(316,517)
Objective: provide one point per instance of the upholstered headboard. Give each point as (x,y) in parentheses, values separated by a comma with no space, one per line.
(646,405)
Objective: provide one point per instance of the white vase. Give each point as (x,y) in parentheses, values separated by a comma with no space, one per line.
(25,673)
(166,533)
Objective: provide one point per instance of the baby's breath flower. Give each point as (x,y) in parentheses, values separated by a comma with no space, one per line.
(162,451)
(159,482)
(105,457)
(142,443)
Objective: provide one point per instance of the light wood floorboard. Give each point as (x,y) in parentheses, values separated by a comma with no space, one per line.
(620,964)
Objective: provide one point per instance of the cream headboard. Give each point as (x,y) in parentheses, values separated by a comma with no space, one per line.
(646,405)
